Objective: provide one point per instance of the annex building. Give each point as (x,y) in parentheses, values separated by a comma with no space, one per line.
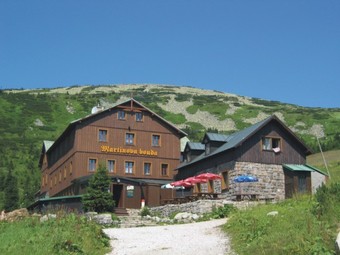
(267,150)
(140,149)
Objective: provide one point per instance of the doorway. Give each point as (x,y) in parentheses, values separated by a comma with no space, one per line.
(117,194)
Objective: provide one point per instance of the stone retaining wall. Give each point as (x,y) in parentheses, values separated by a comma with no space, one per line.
(198,207)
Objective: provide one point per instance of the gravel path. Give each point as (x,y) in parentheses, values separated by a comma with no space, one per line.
(194,238)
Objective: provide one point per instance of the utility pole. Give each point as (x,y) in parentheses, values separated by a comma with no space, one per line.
(323,157)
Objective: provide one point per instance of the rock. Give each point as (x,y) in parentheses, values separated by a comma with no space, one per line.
(195,217)
(180,216)
(36,215)
(103,219)
(51,216)
(273,213)
(17,214)
(44,218)
(90,215)
(2,215)
(48,217)
(337,245)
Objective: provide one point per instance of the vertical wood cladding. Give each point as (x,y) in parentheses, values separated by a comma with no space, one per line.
(291,152)
(102,137)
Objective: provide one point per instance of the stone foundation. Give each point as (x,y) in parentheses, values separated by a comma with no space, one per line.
(271,184)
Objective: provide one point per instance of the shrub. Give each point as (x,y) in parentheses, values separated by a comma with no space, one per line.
(97,198)
(145,211)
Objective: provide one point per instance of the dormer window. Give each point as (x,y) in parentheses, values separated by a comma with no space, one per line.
(271,144)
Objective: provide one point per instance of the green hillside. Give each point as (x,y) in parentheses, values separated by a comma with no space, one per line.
(30,116)
(332,159)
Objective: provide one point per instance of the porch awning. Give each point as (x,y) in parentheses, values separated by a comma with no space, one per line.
(306,168)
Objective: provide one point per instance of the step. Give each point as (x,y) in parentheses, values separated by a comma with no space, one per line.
(120,211)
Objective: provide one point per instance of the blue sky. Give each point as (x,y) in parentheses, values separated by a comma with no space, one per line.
(286,50)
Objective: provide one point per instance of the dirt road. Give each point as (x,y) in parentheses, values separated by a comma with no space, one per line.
(195,238)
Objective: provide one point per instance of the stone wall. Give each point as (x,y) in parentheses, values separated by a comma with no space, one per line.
(198,207)
(271,184)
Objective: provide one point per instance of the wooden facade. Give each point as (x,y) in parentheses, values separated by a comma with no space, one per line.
(132,141)
(258,149)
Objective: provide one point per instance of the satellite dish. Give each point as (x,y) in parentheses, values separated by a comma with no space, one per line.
(94,110)
(97,109)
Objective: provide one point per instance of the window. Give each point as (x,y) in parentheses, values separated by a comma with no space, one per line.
(102,135)
(225,180)
(71,169)
(156,140)
(111,166)
(59,175)
(147,168)
(92,164)
(164,169)
(65,172)
(121,115)
(139,116)
(270,143)
(129,139)
(129,167)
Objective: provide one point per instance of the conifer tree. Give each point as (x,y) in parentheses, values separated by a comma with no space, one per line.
(98,198)
(11,191)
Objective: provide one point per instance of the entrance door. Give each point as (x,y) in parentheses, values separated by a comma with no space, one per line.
(117,194)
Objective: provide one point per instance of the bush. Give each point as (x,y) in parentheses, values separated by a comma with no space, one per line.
(97,198)
(145,211)
(222,211)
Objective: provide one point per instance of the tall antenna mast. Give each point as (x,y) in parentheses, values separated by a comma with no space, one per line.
(323,157)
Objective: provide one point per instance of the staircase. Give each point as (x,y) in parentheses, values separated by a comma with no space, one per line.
(133,219)
(120,211)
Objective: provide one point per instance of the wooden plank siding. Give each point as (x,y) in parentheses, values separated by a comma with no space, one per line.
(291,152)
(68,158)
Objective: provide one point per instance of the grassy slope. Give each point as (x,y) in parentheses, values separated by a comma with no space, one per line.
(332,160)
(66,235)
(22,112)
(297,229)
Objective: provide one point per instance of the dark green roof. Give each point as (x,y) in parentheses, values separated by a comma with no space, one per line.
(59,198)
(298,167)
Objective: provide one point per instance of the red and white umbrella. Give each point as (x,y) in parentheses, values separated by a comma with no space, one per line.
(182,183)
(209,176)
(194,180)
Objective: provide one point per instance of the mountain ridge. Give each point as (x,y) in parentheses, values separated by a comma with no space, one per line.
(28,117)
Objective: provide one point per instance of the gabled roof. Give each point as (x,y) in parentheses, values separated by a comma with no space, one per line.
(236,139)
(215,137)
(46,145)
(131,101)
(195,146)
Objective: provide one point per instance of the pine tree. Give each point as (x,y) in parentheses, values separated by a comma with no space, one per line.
(98,199)
(11,190)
